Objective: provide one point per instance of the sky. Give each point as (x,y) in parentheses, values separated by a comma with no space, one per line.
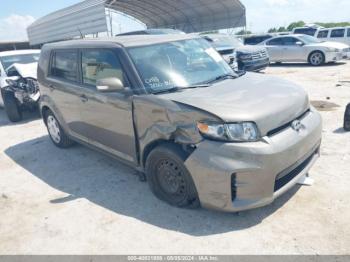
(16,15)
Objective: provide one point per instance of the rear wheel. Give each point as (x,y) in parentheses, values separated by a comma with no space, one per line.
(56,133)
(168,177)
(316,58)
(12,109)
(347,118)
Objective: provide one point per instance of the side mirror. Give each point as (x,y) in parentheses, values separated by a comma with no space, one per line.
(110,84)
(299,43)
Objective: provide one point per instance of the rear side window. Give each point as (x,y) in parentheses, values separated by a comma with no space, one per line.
(98,64)
(338,33)
(276,41)
(322,34)
(349,32)
(64,65)
(305,31)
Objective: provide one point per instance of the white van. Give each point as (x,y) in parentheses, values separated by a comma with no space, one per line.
(337,34)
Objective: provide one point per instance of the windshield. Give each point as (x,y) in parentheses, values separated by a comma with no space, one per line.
(178,64)
(309,39)
(7,61)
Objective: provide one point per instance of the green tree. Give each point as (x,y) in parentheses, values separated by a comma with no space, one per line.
(272,30)
(244,32)
(295,24)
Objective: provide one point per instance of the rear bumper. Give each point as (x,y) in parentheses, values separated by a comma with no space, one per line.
(254,65)
(239,176)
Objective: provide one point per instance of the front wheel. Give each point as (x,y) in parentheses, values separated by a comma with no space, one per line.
(168,177)
(56,133)
(12,109)
(316,58)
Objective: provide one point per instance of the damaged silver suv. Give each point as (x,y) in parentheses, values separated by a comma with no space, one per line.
(172,108)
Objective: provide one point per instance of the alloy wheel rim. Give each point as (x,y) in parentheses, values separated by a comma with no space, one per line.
(54,129)
(316,59)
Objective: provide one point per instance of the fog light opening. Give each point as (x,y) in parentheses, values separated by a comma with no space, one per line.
(233,187)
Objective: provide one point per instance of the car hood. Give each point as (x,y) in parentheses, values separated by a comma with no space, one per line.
(25,70)
(250,49)
(332,45)
(268,101)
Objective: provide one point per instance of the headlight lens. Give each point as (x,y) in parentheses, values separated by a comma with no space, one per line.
(331,49)
(237,132)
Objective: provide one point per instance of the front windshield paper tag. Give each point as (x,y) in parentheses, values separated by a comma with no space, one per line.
(213,54)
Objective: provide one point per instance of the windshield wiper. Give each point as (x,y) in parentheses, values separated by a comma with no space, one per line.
(178,88)
(223,77)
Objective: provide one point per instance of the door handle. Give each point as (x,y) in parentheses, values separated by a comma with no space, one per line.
(51,87)
(84,98)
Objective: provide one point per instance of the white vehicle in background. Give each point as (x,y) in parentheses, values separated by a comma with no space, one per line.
(8,58)
(335,34)
(304,48)
(19,89)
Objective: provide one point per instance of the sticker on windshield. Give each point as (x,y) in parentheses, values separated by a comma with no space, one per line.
(213,54)
(155,83)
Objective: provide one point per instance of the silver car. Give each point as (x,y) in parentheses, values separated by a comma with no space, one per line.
(173,109)
(304,48)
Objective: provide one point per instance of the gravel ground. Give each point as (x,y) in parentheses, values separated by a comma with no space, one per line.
(78,201)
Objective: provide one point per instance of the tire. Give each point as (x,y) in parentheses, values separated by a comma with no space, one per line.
(56,132)
(168,177)
(347,118)
(316,58)
(12,109)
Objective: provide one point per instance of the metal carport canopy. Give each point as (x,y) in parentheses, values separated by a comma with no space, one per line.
(186,15)
(89,17)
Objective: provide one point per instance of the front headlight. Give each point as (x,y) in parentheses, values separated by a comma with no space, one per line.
(236,132)
(331,49)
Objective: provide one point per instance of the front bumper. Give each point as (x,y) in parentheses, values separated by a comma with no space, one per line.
(239,176)
(253,65)
(335,56)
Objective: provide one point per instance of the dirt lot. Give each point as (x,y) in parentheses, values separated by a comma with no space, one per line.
(78,201)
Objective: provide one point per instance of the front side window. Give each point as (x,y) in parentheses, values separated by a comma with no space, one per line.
(7,61)
(99,64)
(274,42)
(178,64)
(349,32)
(322,34)
(290,41)
(338,33)
(64,65)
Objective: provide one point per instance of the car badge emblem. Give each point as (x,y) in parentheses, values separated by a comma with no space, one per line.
(296,125)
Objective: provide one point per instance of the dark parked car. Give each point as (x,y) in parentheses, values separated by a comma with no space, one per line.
(248,58)
(173,109)
(256,39)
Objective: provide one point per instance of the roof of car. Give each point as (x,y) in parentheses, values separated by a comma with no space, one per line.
(19,52)
(126,41)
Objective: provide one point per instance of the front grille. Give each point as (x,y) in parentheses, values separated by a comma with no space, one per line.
(285,126)
(259,55)
(283,179)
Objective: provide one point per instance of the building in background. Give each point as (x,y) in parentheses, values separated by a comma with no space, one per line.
(95,17)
